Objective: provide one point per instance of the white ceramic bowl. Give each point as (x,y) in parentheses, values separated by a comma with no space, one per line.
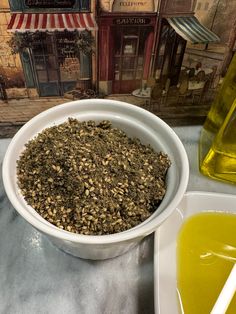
(136,122)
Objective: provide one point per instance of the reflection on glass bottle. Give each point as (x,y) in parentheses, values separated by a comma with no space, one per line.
(217,147)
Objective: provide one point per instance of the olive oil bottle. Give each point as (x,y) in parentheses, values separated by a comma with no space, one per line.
(217,147)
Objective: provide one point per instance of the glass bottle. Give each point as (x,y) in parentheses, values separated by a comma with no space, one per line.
(217,146)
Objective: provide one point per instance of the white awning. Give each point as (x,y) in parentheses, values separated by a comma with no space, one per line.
(189,28)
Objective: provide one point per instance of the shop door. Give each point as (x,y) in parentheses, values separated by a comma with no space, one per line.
(177,58)
(170,54)
(129,43)
(46,65)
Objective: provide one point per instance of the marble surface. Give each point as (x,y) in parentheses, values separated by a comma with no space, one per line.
(36,277)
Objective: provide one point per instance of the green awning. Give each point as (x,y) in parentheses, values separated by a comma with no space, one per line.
(189,28)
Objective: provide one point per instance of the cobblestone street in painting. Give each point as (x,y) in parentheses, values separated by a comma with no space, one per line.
(16,113)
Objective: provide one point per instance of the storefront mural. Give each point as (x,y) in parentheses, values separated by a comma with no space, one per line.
(55,61)
(166,56)
(55,43)
(167,62)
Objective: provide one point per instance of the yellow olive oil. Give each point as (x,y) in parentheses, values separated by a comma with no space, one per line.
(217,147)
(206,253)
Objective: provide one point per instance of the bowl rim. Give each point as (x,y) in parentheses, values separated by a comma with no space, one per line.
(129,234)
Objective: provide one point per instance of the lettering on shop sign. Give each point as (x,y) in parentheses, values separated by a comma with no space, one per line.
(65,47)
(132,21)
(133,6)
(50,3)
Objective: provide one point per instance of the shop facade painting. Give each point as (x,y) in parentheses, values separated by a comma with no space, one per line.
(167,56)
(55,42)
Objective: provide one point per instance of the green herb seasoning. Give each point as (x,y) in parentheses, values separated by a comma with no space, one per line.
(91,178)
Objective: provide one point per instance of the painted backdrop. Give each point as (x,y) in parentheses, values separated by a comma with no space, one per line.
(166,56)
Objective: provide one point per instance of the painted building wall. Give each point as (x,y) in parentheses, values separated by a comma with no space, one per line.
(217,15)
(177,6)
(10,65)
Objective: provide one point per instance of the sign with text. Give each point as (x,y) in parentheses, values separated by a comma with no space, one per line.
(132,21)
(127,5)
(50,3)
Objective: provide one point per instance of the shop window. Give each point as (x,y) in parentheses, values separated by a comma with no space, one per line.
(70,70)
(65,43)
(42,76)
(39,63)
(58,62)
(46,64)
(52,75)
(51,62)
(117,75)
(69,64)
(130,45)
(55,58)
(129,63)
(127,75)
(37,48)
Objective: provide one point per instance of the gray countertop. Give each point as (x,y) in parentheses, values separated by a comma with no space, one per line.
(36,277)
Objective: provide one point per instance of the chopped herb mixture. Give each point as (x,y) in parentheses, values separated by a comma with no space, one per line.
(91,178)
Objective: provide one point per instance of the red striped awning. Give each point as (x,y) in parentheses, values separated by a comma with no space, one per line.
(31,22)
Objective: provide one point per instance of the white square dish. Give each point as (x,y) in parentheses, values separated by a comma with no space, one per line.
(165,283)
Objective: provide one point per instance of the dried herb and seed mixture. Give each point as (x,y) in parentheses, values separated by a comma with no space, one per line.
(91,178)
